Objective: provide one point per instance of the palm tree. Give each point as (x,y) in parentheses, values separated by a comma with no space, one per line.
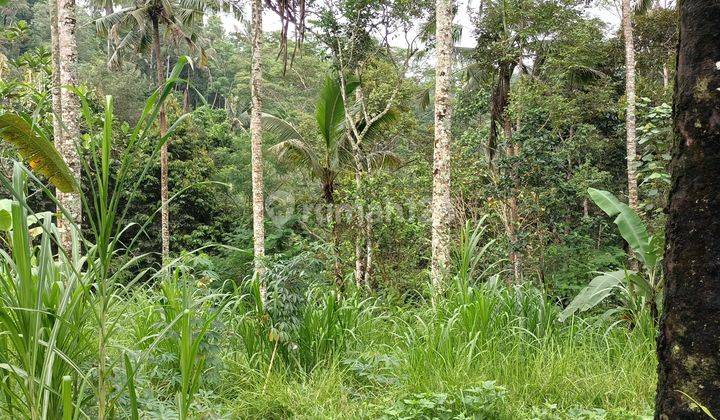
(138,28)
(333,156)
(66,106)
(258,203)
(441,204)
(631,143)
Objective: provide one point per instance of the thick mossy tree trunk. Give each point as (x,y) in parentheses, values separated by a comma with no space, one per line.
(256,144)
(689,341)
(441,203)
(66,144)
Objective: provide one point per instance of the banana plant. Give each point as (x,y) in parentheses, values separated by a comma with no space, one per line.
(635,288)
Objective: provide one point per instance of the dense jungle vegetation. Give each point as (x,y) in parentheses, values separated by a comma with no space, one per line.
(359,209)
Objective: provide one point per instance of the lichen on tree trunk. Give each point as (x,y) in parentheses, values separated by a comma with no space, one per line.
(69,128)
(441,202)
(630,131)
(689,340)
(162,120)
(256,144)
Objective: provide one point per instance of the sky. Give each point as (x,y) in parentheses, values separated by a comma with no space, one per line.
(271,22)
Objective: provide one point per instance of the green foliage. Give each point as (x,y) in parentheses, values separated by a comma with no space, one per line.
(136,341)
(655,140)
(472,403)
(649,252)
(190,316)
(37,150)
(43,316)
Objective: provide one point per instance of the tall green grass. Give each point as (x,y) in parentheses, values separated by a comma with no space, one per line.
(78,340)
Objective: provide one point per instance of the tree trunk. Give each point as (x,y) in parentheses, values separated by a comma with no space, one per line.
(109,10)
(360,218)
(441,203)
(368,250)
(55,52)
(70,116)
(689,341)
(162,118)
(256,144)
(499,117)
(630,98)
(329,194)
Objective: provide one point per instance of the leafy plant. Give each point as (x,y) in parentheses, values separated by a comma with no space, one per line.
(633,285)
(44,310)
(38,150)
(190,316)
(480,402)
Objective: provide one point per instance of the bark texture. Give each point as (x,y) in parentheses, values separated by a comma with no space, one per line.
(689,341)
(256,142)
(162,119)
(70,115)
(55,54)
(631,141)
(441,202)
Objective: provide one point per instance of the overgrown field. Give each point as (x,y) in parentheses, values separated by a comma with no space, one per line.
(487,353)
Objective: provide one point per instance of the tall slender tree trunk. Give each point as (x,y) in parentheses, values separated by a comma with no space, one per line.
(631,142)
(109,10)
(55,53)
(368,250)
(256,143)
(70,116)
(329,195)
(689,342)
(441,202)
(162,118)
(360,218)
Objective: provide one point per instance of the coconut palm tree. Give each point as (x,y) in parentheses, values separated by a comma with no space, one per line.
(66,107)
(441,202)
(333,155)
(137,28)
(627,8)
(258,201)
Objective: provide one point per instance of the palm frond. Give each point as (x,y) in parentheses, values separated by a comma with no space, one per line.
(643,6)
(105,24)
(578,74)
(383,159)
(38,151)
(377,127)
(297,153)
(330,109)
(282,129)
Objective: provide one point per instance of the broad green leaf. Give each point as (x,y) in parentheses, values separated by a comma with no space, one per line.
(606,201)
(330,109)
(631,227)
(38,151)
(599,288)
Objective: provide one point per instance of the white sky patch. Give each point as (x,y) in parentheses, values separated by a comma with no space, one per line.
(608,13)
